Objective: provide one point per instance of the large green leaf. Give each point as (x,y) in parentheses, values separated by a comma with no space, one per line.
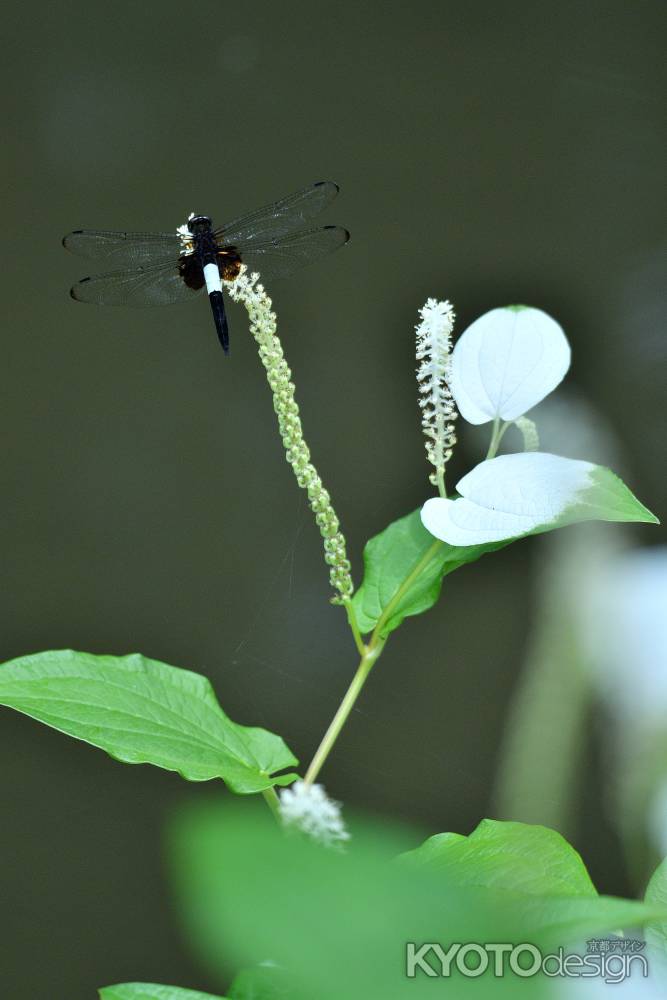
(152,991)
(144,712)
(537,873)
(516,856)
(656,934)
(340,922)
(403,571)
(336,923)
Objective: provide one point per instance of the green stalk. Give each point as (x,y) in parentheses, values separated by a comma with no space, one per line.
(496,437)
(370,655)
(273,802)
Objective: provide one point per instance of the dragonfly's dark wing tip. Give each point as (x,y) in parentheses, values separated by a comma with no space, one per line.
(342,232)
(329,184)
(66,239)
(75,293)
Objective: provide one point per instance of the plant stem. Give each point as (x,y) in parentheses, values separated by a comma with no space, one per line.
(354,626)
(440,477)
(496,437)
(273,802)
(369,654)
(368,658)
(407,583)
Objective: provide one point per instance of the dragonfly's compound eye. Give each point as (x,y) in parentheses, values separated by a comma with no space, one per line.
(199,223)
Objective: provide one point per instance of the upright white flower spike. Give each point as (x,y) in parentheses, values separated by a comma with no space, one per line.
(434,345)
(506,362)
(514,495)
(309,809)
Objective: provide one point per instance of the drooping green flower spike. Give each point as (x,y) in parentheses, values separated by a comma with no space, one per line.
(263,326)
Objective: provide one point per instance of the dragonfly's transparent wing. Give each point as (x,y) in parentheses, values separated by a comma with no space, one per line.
(123,249)
(280,258)
(280,218)
(154,285)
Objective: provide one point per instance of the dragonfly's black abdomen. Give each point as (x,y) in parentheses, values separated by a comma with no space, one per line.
(208,264)
(220,319)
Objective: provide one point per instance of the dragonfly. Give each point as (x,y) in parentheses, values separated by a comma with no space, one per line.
(163,268)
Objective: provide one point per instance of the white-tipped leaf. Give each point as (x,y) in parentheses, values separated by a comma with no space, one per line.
(506,362)
(520,494)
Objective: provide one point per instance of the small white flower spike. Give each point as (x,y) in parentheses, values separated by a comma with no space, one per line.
(434,345)
(506,362)
(509,496)
(308,808)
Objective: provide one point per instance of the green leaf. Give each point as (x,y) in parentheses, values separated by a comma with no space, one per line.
(336,923)
(264,982)
(152,991)
(144,712)
(516,856)
(566,920)
(403,571)
(339,923)
(535,870)
(606,498)
(405,564)
(656,933)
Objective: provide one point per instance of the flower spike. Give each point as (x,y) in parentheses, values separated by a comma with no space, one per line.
(434,346)
(263,325)
(309,809)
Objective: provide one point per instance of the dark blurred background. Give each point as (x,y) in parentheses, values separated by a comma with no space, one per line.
(487,153)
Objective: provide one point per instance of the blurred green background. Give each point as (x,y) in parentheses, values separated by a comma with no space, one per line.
(487,153)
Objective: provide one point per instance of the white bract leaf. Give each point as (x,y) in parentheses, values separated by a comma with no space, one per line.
(519,494)
(506,362)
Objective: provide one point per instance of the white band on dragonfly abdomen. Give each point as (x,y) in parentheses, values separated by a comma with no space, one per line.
(212,278)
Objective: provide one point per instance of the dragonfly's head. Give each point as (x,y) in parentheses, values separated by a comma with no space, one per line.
(199,223)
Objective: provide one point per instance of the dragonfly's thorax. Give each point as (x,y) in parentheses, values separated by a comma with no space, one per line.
(205,247)
(202,242)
